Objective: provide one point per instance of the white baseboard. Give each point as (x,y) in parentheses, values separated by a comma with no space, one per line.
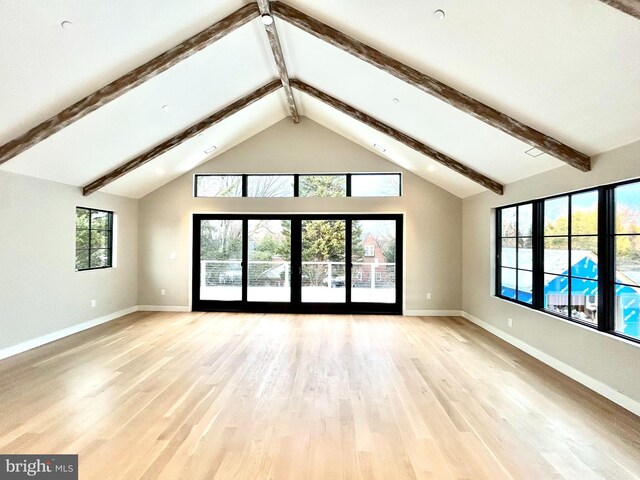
(164,308)
(580,377)
(432,313)
(65,332)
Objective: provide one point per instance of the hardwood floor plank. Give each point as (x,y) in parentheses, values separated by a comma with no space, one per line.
(246,396)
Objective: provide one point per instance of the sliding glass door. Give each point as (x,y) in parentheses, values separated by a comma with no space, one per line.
(323,261)
(220,272)
(269,260)
(373,260)
(298,263)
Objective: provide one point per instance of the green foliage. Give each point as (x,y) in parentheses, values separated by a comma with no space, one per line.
(323,186)
(357,248)
(586,223)
(267,248)
(93,238)
(221,240)
(323,240)
(389,250)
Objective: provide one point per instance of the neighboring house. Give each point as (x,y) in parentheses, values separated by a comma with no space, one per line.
(274,276)
(378,274)
(584,290)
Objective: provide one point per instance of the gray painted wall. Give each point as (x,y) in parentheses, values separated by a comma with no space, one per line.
(432,215)
(602,357)
(40,291)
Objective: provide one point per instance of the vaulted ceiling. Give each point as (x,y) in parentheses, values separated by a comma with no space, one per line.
(569,69)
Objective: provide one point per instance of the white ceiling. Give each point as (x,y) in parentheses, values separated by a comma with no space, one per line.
(187,156)
(425,118)
(395,151)
(569,69)
(126,127)
(44,69)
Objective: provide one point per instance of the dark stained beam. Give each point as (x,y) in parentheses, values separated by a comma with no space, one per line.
(400,137)
(181,137)
(127,82)
(433,87)
(630,7)
(276,48)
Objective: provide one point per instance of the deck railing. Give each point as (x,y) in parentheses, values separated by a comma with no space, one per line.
(278,273)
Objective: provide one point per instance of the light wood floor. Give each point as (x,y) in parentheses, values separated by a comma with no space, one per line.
(236,396)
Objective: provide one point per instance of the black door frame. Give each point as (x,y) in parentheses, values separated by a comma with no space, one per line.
(295,305)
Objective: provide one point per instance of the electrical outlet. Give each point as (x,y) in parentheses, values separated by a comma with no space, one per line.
(428,296)
(163,292)
(93,303)
(173,256)
(510,322)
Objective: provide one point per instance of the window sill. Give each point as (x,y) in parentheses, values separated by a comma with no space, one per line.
(593,329)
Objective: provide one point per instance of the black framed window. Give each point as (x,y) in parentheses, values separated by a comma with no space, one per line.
(270,185)
(376,185)
(570,253)
(576,256)
(626,242)
(323,185)
(94,239)
(298,185)
(218,186)
(515,254)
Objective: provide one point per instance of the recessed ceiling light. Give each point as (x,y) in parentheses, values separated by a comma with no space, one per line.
(534,152)
(159,171)
(431,168)
(396,100)
(165,107)
(267,19)
(379,147)
(66,25)
(439,14)
(212,148)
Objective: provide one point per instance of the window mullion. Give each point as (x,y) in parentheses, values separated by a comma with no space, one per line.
(498,269)
(569,256)
(538,254)
(606,259)
(90,232)
(517,249)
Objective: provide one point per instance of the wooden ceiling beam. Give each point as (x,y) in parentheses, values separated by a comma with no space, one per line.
(400,137)
(433,87)
(128,81)
(181,137)
(276,48)
(630,7)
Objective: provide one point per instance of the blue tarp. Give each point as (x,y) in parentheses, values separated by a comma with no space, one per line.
(627,298)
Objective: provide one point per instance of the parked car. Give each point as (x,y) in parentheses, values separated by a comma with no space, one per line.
(230,277)
(335,281)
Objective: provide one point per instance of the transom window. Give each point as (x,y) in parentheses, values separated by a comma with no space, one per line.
(298,185)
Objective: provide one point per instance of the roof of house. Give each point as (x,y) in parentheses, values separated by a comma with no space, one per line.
(564,71)
(584,263)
